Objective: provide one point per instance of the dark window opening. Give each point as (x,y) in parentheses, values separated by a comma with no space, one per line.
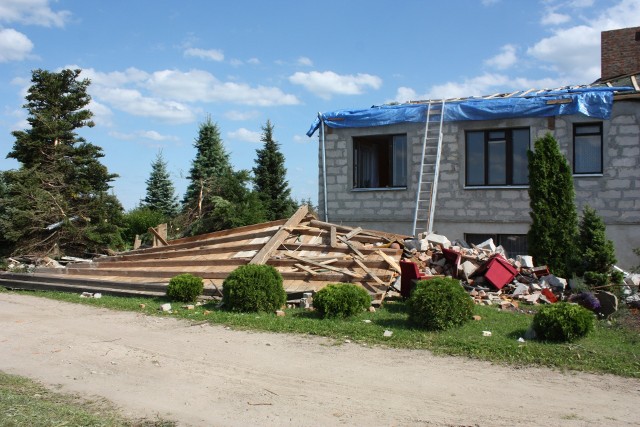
(513,244)
(497,157)
(380,161)
(587,148)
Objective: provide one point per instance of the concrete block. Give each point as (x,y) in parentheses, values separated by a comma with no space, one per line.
(438,239)
(525,260)
(487,244)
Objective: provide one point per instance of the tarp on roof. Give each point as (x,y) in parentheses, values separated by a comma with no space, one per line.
(590,102)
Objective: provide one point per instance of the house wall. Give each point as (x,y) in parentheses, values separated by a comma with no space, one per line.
(501,210)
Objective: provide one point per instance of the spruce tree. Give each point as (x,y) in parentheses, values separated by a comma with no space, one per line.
(270,178)
(161,195)
(597,253)
(59,195)
(209,166)
(217,196)
(554,228)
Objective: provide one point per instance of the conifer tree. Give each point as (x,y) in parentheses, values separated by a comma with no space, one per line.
(597,253)
(270,177)
(161,195)
(554,229)
(209,166)
(217,196)
(58,198)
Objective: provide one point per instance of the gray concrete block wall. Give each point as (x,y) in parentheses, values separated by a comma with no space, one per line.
(615,194)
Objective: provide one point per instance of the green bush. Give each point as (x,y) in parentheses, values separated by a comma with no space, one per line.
(439,303)
(341,300)
(253,288)
(562,322)
(185,288)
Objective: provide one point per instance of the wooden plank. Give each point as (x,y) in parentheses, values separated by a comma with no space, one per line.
(326,266)
(305,268)
(369,272)
(381,234)
(352,233)
(274,243)
(228,232)
(333,239)
(390,261)
(559,101)
(351,246)
(158,236)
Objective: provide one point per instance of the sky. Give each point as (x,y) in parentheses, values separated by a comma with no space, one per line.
(158,68)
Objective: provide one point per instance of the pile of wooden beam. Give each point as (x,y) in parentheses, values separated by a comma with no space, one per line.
(308,253)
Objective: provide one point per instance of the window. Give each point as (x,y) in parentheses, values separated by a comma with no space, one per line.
(497,157)
(380,161)
(513,244)
(587,148)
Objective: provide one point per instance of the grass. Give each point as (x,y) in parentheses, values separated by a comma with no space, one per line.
(26,403)
(614,347)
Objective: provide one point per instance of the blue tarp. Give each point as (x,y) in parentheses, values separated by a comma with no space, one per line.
(591,102)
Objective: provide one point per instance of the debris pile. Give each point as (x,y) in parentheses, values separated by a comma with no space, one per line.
(492,278)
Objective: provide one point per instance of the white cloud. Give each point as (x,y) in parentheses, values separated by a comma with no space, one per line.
(241,115)
(32,12)
(198,85)
(304,61)
(505,59)
(302,139)
(553,18)
(253,61)
(143,134)
(102,115)
(246,135)
(327,83)
(572,52)
(489,2)
(211,54)
(486,84)
(14,46)
(133,102)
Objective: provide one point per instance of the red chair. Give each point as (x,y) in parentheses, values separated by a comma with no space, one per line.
(410,274)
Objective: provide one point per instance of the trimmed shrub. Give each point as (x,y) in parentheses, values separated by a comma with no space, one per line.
(439,303)
(253,288)
(185,287)
(341,300)
(562,322)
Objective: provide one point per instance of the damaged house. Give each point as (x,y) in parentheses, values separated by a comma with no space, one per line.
(458,167)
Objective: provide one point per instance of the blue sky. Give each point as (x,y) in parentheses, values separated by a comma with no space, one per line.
(159,67)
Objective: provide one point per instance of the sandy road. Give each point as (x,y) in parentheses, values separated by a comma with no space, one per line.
(211,376)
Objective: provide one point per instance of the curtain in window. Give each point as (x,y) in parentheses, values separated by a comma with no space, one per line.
(588,154)
(399,166)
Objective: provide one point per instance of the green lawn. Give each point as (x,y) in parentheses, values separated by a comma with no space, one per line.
(613,348)
(29,404)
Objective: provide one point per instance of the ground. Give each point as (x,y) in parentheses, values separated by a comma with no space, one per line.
(204,375)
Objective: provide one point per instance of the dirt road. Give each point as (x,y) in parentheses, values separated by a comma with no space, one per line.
(211,376)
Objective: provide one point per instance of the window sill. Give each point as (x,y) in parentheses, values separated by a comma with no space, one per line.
(379,189)
(588,175)
(496,187)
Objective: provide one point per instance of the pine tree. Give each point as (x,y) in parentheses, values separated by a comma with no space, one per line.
(160,191)
(597,253)
(58,197)
(270,178)
(210,165)
(554,228)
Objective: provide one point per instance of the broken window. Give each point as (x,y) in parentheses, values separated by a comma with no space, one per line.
(380,161)
(513,244)
(497,157)
(587,148)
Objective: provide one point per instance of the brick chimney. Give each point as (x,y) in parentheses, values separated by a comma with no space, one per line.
(620,52)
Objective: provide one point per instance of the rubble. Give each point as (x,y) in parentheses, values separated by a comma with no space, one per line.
(491,278)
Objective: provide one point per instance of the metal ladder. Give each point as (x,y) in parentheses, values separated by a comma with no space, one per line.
(429,169)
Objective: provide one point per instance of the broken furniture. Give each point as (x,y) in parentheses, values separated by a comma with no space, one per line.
(410,275)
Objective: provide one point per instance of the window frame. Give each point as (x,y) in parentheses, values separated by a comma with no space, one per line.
(509,156)
(389,141)
(600,133)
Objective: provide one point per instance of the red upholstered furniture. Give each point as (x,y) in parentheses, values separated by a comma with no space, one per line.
(410,274)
